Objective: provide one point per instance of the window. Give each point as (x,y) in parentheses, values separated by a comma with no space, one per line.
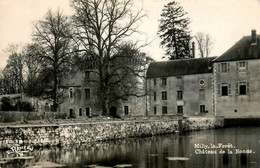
(126,109)
(223,67)
(179,95)
(87,111)
(164,81)
(154,96)
(242,88)
(154,81)
(202,94)
(242,66)
(87,74)
(71,93)
(202,108)
(180,109)
(224,89)
(80,112)
(154,110)
(164,95)
(179,82)
(164,109)
(87,93)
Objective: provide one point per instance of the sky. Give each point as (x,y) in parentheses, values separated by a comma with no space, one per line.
(226,21)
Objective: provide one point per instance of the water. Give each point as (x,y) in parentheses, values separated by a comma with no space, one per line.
(166,151)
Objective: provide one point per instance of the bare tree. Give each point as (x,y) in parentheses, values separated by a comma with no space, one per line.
(53,34)
(205,43)
(101,27)
(32,68)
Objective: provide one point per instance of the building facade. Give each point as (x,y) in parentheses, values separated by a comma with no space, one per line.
(181,87)
(82,96)
(237,80)
(228,85)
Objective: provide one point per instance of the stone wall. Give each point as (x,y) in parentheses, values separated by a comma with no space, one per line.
(79,133)
(200,123)
(194,95)
(42,135)
(236,105)
(63,134)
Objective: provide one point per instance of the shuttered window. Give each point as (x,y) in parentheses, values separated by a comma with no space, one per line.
(224,89)
(242,66)
(242,88)
(229,88)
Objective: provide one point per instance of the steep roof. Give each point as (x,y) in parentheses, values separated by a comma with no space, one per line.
(180,67)
(242,50)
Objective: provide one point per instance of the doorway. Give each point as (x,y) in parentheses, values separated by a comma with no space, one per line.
(113,111)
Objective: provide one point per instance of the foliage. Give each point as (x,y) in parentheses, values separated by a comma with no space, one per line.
(174,32)
(23,106)
(205,43)
(6,104)
(101,27)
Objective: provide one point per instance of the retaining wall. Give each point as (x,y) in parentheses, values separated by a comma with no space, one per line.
(65,134)
(201,123)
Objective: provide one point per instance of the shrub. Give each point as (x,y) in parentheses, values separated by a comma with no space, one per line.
(6,104)
(23,106)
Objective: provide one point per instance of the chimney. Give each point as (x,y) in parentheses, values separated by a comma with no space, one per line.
(193,49)
(253,37)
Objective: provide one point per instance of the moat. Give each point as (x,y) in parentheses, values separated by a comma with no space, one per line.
(216,148)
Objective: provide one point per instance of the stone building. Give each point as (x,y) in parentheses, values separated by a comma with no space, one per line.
(237,79)
(180,87)
(81,98)
(228,85)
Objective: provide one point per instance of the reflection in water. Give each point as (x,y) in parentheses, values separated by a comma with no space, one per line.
(154,152)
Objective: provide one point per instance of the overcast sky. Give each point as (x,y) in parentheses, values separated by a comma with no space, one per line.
(225,20)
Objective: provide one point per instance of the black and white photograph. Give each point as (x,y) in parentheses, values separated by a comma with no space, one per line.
(130,83)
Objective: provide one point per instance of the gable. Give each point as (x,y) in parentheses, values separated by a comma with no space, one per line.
(242,50)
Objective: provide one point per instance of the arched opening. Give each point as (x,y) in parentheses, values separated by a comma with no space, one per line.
(113,111)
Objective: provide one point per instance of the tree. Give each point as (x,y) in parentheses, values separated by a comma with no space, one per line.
(101,26)
(13,79)
(205,43)
(54,35)
(173,31)
(32,69)
(127,72)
